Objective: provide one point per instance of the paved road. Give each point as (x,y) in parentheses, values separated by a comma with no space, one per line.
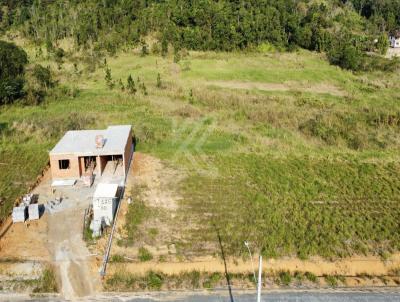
(275,297)
(290,296)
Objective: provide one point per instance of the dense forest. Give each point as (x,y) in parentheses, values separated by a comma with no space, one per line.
(204,24)
(350,32)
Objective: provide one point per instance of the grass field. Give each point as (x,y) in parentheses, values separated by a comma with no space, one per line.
(282,149)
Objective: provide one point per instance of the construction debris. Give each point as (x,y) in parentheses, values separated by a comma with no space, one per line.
(33,211)
(97,227)
(63,182)
(27,199)
(19,214)
(88,179)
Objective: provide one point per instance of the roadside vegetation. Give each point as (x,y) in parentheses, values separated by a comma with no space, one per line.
(47,282)
(152,280)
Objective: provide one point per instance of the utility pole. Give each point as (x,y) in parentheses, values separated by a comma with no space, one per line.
(259,279)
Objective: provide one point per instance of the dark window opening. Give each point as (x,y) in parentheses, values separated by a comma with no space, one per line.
(63,164)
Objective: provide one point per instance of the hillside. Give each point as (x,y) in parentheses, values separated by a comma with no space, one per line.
(282,149)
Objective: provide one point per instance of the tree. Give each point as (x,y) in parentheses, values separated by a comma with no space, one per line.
(130,85)
(144,89)
(144,51)
(164,46)
(159,83)
(346,56)
(121,85)
(177,55)
(383,44)
(108,78)
(13,60)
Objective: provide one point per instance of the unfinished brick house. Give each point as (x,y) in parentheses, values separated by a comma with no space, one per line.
(92,151)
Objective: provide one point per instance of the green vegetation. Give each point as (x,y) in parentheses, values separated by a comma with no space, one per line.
(12,71)
(284,278)
(125,281)
(347,29)
(212,280)
(117,258)
(137,212)
(144,254)
(332,281)
(311,277)
(157,280)
(47,282)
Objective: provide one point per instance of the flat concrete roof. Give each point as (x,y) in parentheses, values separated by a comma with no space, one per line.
(106,190)
(83,142)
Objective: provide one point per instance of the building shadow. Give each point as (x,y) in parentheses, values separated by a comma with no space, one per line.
(228,280)
(134,142)
(42,209)
(5,228)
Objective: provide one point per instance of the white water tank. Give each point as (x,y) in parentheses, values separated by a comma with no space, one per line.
(105,202)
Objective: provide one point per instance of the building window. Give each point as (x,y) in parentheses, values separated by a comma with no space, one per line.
(63,164)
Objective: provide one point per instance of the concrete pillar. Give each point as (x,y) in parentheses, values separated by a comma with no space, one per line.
(98,164)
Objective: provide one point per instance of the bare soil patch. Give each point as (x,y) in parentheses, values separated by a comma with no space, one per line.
(26,241)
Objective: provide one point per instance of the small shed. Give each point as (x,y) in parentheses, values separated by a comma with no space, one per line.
(105,200)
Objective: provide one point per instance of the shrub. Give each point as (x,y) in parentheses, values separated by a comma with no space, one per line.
(382,44)
(331,280)
(311,277)
(144,254)
(154,280)
(117,258)
(11,89)
(159,83)
(42,76)
(212,280)
(346,56)
(285,278)
(194,277)
(47,282)
(144,51)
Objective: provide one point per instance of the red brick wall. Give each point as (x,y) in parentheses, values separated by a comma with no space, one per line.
(74,170)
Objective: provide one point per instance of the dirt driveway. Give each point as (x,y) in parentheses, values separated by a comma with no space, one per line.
(65,244)
(69,253)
